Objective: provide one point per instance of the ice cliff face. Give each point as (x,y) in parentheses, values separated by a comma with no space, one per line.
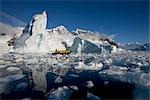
(80,45)
(33,36)
(37,38)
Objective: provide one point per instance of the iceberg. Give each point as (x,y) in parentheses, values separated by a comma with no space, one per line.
(33,36)
(36,38)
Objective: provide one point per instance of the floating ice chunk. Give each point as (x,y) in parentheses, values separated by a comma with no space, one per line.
(107,61)
(26,99)
(135,70)
(19,60)
(73,75)
(74,88)
(123,68)
(99,65)
(62,93)
(113,72)
(89,84)
(11,49)
(58,80)
(136,63)
(32,61)
(81,65)
(2,67)
(95,66)
(119,68)
(90,96)
(6,71)
(139,64)
(90,66)
(13,70)
(5,62)
(106,82)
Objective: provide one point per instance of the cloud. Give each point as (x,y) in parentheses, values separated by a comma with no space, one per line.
(9,30)
(105,35)
(112,36)
(10,25)
(6,33)
(11,20)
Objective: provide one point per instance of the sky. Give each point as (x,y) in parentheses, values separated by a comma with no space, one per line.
(127,20)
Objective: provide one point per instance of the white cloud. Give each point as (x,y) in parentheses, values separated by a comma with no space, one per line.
(104,35)
(9,30)
(112,36)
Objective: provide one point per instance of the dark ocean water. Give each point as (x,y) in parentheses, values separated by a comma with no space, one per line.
(105,87)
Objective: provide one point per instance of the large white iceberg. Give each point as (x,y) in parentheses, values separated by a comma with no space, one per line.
(36,38)
(33,36)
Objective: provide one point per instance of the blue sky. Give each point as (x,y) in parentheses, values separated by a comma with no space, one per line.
(129,20)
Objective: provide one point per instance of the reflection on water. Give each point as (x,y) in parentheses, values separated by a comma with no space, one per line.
(105,87)
(48,76)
